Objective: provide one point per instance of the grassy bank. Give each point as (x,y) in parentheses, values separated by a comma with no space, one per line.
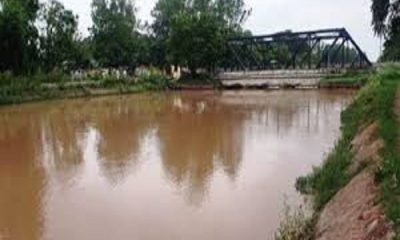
(388,173)
(17,89)
(374,103)
(355,78)
(199,81)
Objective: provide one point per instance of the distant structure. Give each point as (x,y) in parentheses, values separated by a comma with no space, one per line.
(320,49)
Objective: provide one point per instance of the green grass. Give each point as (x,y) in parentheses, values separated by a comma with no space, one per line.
(388,174)
(16,89)
(296,224)
(374,103)
(199,79)
(327,179)
(351,77)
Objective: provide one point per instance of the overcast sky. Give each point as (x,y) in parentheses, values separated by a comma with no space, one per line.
(271,16)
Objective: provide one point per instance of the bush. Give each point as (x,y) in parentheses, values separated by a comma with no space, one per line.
(14,89)
(153,81)
(198,79)
(295,225)
(358,77)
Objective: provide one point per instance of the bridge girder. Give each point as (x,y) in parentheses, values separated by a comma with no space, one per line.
(320,49)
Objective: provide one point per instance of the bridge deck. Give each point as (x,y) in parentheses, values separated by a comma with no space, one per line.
(277,78)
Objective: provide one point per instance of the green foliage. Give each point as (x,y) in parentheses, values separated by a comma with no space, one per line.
(198,79)
(380,12)
(117,39)
(163,14)
(386,23)
(196,40)
(83,54)
(114,33)
(193,33)
(389,172)
(154,81)
(392,43)
(326,180)
(14,88)
(59,36)
(356,77)
(55,84)
(18,35)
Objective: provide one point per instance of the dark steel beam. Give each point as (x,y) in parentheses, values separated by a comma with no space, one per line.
(291,34)
(362,54)
(253,52)
(237,56)
(325,55)
(309,53)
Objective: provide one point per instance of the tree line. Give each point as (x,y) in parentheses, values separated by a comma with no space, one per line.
(44,37)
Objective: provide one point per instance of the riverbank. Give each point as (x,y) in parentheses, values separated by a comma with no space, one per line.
(295,78)
(355,193)
(20,89)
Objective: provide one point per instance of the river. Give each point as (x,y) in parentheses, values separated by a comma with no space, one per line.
(162,166)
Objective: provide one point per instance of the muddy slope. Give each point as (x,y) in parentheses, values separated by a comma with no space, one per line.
(353,213)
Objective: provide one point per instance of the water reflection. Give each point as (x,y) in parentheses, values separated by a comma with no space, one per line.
(62,132)
(21,180)
(206,138)
(68,166)
(121,130)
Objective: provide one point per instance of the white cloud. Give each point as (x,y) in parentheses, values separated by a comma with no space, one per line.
(271,16)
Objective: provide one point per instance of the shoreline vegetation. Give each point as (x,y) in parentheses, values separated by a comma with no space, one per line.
(20,89)
(42,47)
(16,89)
(369,146)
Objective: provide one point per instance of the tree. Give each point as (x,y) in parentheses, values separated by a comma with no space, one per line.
(195,31)
(114,33)
(59,45)
(84,53)
(392,43)
(163,14)
(18,35)
(196,40)
(233,13)
(386,23)
(380,14)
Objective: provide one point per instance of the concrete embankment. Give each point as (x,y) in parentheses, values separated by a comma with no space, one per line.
(280,79)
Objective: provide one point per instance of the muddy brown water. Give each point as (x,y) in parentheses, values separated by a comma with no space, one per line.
(186,165)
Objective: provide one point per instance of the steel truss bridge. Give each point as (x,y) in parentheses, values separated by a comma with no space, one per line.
(320,49)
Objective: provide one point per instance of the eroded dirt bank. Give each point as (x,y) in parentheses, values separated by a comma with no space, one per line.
(353,213)
(355,192)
